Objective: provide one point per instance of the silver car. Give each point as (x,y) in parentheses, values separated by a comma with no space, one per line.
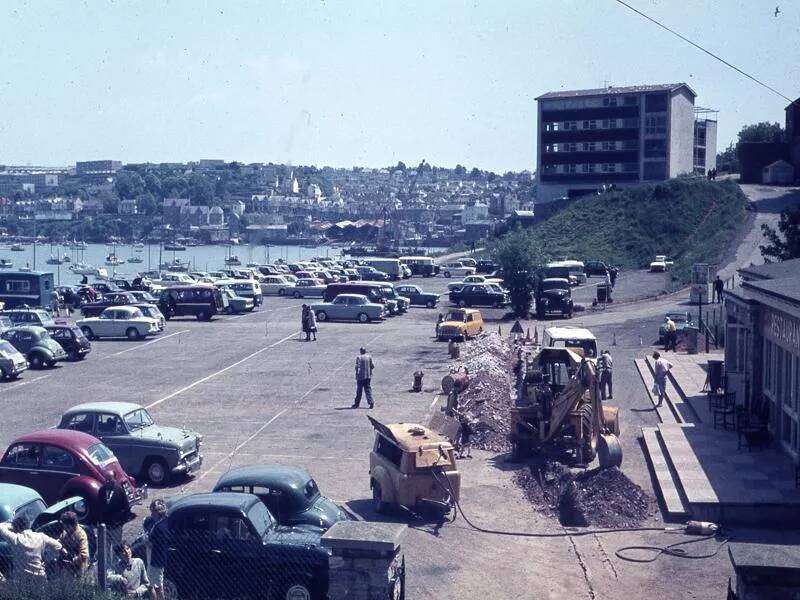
(308,288)
(349,307)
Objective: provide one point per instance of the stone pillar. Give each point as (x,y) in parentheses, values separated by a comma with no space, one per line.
(366,561)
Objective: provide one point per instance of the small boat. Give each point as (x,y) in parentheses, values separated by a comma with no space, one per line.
(134,259)
(81,268)
(112,260)
(138,246)
(53,260)
(233,260)
(83,245)
(66,258)
(100,273)
(176,266)
(17,248)
(5,263)
(174,246)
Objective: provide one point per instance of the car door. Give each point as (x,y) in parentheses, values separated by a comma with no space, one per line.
(24,341)
(57,467)
(340,307)
(236,551)
(20,465)
(110,429)
(104,324)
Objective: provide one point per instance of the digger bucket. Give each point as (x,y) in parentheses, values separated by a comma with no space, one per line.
(609,451)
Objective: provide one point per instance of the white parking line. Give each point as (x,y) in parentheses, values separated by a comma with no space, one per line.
(25,382)
(140,346)
(221,371)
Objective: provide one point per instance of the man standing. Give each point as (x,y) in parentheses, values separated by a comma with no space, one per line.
(613,274)
(605,365)
(364,367)
(156,546)
(129,576)
(670,334)
(661,367)
(719,285)
(75,543)
(27,548)
(304,322)
(55,303)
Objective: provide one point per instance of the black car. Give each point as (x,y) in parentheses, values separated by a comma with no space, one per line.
(201,301)
(105,287)
(595,268)
(123,284)
(71,339)
(371,273)
(94,309)
(553,295)
(228,545)
(478,294)
(485,266)
(417,296)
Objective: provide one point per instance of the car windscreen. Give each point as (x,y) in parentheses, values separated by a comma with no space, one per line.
(553,285)
(456,316)
(138,419)
(100,454)
(31,510)
(6,348)
(261,518)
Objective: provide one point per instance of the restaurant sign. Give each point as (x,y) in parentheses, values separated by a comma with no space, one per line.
(782,329)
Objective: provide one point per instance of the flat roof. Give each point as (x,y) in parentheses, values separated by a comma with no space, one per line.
(634,89)
(776,270)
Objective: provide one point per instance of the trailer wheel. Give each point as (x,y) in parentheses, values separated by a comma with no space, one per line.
(589,435)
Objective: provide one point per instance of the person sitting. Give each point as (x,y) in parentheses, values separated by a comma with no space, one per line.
(129,575)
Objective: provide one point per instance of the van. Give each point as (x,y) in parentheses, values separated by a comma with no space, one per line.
(576,268)
(460,324)
(421,265)
(390,266)
(201,301)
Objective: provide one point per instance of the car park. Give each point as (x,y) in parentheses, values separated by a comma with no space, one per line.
(250,555)
(173,279)
(416,296)
(119,321)
(390,266)
(144,297)
(457,269)
(106,287)
(290,494)
(478,294)
(349,307)
(484,266)
(553,295)
(28,316)
(93,309)
(154,452)
(71,339)
(397,303)
(682,320)
(202,301)
(12,362)
(36,345)
(578,339)
(247,288)
(308,288)
(460,324)
(276,285)
(371,289)
(421,265)
(62,464)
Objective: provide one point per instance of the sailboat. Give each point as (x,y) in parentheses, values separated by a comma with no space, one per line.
(133,258)
(66,258)
(53,260)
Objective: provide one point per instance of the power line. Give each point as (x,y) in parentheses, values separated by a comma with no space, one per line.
(699,47)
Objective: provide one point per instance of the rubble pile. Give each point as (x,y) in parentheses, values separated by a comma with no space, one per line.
(598,498)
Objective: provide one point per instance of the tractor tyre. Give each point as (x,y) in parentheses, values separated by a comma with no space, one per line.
(589,434)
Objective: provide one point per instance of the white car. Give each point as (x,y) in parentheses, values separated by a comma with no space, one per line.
(276,285)
(660,264)
(457,285)
(119,321)
(151,311)
(457,269)
(175,279)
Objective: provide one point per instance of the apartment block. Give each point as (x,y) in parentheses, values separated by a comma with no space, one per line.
(623,136)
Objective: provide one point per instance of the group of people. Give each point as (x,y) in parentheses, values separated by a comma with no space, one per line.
(308,323)
(69,299)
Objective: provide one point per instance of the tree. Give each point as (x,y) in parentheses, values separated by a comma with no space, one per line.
(109,200)
(517,254)
(146,204)
(201,192)
(153,184)
(460,171)
(173,187)
(128,184)
(762,132)
(783,244)
(401,166)
(475,173)
(728,160)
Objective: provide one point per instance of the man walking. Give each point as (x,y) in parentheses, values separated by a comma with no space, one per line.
(661,367)
(604,366)
(719,285)
(311,323)
(304,322)
(670,335)
(364,367)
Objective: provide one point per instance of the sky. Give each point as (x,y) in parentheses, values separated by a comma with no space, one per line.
(359,83)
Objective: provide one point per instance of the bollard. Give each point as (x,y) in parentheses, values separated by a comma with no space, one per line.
(417,387)
(102,555)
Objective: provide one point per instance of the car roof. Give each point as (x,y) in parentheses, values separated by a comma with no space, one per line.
(558,279)
(69,438)
(352,296)
(266,475)
(13,496)
(211,500)
(118,408)
(410,436)
(570,333)
(466,311)
(37,329)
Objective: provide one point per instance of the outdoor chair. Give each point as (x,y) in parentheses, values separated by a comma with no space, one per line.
(723,408)
(750,429)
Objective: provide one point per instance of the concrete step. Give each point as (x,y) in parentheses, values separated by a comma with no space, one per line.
(685,412)
(669,491)
(665,412)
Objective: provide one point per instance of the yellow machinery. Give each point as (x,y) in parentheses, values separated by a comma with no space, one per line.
(558,406)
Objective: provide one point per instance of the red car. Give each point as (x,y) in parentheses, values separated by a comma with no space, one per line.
(61,463)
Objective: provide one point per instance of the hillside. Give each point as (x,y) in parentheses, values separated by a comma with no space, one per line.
(690,220)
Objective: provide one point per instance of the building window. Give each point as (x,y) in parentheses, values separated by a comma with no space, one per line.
(570,125)
(631,101)
(588,146)
(655,103)
(630,167)
(609,145)
(590,124)
(609,101)
(609,167)
(587,168)
(655,125)
(571,168)
(570,147)
(655,148)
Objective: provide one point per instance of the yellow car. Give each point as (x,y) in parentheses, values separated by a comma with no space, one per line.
(460,324)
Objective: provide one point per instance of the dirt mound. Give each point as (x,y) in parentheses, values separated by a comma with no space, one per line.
(598,498)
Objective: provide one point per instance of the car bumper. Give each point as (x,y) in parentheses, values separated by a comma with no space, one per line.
(189,464)
(457,337)
(18,368)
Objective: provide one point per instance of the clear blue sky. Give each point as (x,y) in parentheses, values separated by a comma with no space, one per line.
(357,83)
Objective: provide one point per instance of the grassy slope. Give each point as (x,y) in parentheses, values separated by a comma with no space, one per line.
(689,220)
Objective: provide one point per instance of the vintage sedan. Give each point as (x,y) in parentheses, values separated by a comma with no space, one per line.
(236,304)
(349,307)
(290,493)
(152,451)
(152,311)
(94,309)
(28,316)
(12,361)
(276,285)
(457,285)
(72,340)
(308,288)
(416,296)
(61,464)
(119,321)
(476,294)
(36,344)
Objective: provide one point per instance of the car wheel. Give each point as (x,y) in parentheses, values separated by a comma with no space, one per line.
(281,292)
(378,504)
(322,316)
(462,303)
(447,274)
(363,317)
(201,316)
(156,471)
(87,333)
(132,333)
(430,304)
(36,361)
(73,355)
(294,589)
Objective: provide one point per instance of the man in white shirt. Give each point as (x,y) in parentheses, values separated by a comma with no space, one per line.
(27,548)
(661,367)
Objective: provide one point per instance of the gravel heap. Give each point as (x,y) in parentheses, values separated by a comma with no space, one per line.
(598,498)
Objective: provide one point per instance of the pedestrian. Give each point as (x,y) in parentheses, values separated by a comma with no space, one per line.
(670,334)
(312,324)
(439,322)
(27,549)
(719,285)
(129,576)
(156,545)
(661,367)
(304,322)
(605,365)
(75,546)
(364,368)
(613,273)
(55,303)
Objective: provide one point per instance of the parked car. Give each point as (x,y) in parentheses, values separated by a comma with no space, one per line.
(28,316)
(460,324)
(660,264)
(153,452)
(308,288)
(478,294)
(202,301)
(290,494)
(35,343)
(595,268)
(373,290)
(367,273)
(236,304)
(349,307)
(61,464)
(457,269)
(276,285)
(416,296)
(457,285)
(93,309)
(119,321)
(400,305)
(12,362)
(247,288)
(250,555)
(554,295)
(681,320)
(484,266)
(143,297)
(105,287)
(71,339)
(151,310)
